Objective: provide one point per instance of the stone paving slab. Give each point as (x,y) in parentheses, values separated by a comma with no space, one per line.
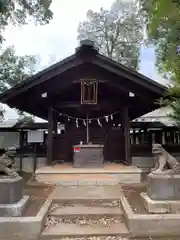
(86,193)
(69,169)
(73,230)
(80,209)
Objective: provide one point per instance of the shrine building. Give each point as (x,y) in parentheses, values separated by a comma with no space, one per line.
(94,98)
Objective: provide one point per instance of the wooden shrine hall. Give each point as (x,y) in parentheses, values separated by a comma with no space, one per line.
(94,98)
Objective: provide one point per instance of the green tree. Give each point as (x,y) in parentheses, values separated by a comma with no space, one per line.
(24,118)
(13,68)
(163,31)
(163,20)
(117,32)
(18,12)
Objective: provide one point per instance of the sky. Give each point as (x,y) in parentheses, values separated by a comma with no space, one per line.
(58,39)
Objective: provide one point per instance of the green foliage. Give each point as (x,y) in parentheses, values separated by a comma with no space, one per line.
(19,11)
(116,32)
(14,69)
(163,18)
(25,119)
(175,114)
(163,28)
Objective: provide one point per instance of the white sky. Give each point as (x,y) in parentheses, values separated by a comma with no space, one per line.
(58,39)
(55,41)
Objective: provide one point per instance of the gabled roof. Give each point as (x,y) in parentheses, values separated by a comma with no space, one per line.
(85,56)
(71,61)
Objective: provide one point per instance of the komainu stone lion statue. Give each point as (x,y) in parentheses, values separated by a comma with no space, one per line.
(165,163)
(6,161)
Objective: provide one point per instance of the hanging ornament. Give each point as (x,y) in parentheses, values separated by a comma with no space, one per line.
(60,114)
(84,122)
(111,117)
(77,125)
(99,123)
(68,118)
(107,118)
(90,121)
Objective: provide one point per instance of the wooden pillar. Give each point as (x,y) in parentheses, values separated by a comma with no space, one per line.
(50,137)
(126,130)
(21,146)
(55,122)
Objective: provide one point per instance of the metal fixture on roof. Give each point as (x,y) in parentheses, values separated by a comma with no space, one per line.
(44,95)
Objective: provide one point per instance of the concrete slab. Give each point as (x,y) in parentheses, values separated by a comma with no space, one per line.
(68,169)
(159,206)
(150,225)
(82,210)
(67,175)
(74,230)
(15,209)
(20,228)
(86,193)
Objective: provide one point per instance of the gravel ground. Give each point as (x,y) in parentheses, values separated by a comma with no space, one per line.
(105,221)
(118,238)
(102,203)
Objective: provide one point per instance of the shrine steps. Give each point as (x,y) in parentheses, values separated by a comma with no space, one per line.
(85,212)
(113,174)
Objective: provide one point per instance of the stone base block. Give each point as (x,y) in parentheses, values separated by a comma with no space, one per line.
(160,206)
(128,178)
(11,189)
(15,209)
(163,187)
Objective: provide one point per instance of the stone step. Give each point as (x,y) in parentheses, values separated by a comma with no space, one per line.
(78,179)
(75,210)
(73,230)
(85,194)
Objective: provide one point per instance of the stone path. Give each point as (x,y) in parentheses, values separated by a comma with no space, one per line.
(86,212)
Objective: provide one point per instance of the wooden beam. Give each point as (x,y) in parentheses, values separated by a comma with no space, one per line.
(126,130)
(50,137)
(75,104)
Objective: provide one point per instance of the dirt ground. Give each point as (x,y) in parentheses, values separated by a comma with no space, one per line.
(38,194)
(132,192)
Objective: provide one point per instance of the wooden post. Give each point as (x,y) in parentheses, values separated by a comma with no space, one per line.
(126,130)
(55,122)
(50,137)
(21,146)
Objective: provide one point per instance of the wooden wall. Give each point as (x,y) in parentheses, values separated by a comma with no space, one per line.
(112,140)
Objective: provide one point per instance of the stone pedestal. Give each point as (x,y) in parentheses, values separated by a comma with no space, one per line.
(12,201)
(163,193)
(163,187)
(89,155)
(160,206)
